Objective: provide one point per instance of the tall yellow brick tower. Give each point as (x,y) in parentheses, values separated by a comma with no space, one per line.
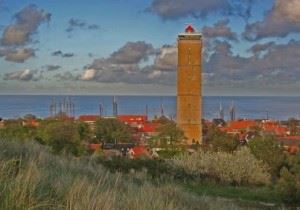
(189,96)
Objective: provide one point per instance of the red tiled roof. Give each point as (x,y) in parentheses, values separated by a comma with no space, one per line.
(275,127)
(31,122)
(132,118)
(148,127)
(89,118)
(234,126)
(94,147)
(293,149)
(139,150)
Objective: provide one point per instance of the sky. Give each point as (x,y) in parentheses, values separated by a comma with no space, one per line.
(128,47)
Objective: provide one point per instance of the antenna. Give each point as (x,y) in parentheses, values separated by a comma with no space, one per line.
(73,108)
(232,111)
(101,109)
(51,108)
(161,109)
(221,111)
(146,110)
(115,107)
(54,106)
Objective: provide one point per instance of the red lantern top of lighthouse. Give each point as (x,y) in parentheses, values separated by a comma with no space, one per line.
(189,29)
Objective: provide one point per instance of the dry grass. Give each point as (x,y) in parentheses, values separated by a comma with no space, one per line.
(32,178)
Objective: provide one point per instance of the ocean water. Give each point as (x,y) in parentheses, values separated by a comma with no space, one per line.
(281,108)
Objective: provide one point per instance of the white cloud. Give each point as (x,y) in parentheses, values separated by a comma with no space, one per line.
(89,74)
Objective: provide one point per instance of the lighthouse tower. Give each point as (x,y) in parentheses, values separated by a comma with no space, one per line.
(189,96)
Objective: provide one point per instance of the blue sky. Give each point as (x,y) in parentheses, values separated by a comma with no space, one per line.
(129,46)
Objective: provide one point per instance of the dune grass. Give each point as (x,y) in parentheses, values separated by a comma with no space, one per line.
(33,178)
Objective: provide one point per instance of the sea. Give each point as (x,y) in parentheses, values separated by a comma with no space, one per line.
(246,107)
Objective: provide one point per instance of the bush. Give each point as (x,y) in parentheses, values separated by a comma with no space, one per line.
(288,184)
(217,140)
(16,131)
(61,137)
(238,168)
(112,130)
(267,149)
(168,153)
(169,134)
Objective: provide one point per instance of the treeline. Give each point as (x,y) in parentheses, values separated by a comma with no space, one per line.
(64,135)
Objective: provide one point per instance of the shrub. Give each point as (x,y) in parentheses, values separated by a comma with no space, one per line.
(288,184)
(220,141)
(238,168)
(168,153)
(61,137)
(16,131)
(267,149)
(154,168)
(111,130)
(169,134)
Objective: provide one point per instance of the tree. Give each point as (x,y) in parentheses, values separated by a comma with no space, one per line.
(14,130)
(112,130)
(29,117)
(220,141)
(267,149)
(170,133)
(84,131)
(288,184)
(60,136)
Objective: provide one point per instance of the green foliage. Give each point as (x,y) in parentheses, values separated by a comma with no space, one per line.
(267,149)
(84,131)
(170,134)
(29,117)
(266,194)
(288,186)
(289,182)
(237,168)
(155,168)
(111,130)
(60,136)
(15,130)
(169,153)
(220,141)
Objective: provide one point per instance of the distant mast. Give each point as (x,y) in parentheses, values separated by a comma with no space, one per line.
(115,107)
(232,112)
(221,111)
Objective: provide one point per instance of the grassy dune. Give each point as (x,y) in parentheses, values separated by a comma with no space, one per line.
(33,178)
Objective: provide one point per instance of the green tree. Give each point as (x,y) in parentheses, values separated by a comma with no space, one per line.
(60,136)
(111,130)
(220,141)
(268,149)
(14,130)
(29,117)
(170,133)
(288,186)
(84,131)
